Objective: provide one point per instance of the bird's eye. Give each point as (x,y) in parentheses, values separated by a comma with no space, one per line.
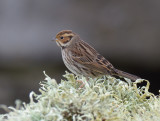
(61,37)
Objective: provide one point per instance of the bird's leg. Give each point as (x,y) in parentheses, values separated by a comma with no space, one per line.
(82,84)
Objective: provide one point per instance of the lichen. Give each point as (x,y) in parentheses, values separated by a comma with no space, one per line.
(100,99)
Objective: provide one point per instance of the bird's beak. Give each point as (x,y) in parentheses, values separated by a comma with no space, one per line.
(54,39)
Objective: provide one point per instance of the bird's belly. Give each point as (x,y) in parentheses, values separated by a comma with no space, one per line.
(73,66)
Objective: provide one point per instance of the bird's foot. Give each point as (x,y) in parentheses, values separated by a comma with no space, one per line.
(81,82)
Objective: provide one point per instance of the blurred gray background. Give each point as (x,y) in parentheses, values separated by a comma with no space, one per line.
(126,32)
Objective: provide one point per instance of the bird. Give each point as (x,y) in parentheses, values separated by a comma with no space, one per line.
(83,60)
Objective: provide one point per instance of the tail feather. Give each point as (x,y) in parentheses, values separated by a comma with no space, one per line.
(127,75)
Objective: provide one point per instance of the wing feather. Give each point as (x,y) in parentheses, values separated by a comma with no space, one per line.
(86,55)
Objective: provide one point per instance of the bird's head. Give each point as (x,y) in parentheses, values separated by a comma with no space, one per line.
(64,38)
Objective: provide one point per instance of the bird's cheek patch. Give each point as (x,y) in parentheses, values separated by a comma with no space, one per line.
(65,41)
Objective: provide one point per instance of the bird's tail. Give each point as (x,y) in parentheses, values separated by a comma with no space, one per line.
(127,75)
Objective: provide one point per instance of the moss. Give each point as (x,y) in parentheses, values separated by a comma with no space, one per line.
(101,99)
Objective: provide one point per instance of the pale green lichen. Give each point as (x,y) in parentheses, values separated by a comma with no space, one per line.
(101,99)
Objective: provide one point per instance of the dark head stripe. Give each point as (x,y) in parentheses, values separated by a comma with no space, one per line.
(65,32)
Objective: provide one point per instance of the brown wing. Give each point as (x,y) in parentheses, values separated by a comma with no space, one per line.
(88,56)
